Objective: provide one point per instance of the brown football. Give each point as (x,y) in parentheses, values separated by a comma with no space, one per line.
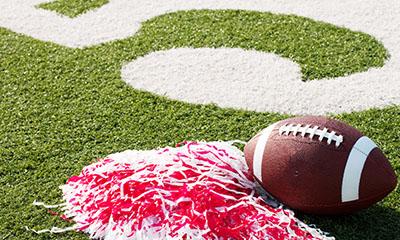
(319,165)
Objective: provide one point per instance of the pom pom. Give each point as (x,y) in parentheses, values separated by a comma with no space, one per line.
(195,191)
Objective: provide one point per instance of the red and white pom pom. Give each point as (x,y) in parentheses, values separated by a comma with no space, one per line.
(195,191)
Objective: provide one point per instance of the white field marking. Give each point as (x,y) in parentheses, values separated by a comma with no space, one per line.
(257,81)
(122,18)
(229,77)
(354,166)
(259,151)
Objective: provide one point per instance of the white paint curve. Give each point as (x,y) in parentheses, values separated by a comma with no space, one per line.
(254,80)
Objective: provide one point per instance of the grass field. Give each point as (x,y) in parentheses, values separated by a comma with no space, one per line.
(61,108)
(72,8)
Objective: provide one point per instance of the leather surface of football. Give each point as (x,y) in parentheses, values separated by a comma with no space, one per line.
(319,165)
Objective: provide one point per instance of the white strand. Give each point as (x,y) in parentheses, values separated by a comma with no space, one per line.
(53,230)
(36,203)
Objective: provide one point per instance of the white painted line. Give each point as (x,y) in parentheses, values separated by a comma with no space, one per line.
(258,81)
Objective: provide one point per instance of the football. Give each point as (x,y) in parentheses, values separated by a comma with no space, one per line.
(319,165)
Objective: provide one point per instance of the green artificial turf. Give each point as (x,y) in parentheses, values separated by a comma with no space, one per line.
(72,8)
(61,108)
